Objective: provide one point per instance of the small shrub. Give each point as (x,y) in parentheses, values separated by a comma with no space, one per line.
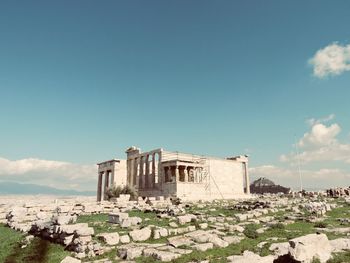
(195,222)
(129,190)
(250,232)
(113,192)
(315,260)
(153,233)
(320,224)
(278,226)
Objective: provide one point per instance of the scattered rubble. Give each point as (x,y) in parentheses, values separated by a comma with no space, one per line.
(184,228)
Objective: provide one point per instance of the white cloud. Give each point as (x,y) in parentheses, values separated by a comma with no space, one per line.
(320,144)
(324,159)
(46,172)
(320,135)
(332,60)
(314,121)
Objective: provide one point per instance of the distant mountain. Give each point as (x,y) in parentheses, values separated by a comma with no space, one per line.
(30,189)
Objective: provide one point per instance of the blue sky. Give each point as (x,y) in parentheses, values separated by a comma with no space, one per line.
(80,81)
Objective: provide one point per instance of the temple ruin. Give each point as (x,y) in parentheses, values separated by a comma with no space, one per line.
(173,174)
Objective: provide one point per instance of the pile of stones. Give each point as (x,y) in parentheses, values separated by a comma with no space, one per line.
(185,229)
(338,192)
(317,208)
(252,205)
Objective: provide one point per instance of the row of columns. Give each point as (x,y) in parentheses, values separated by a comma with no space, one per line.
(142,172)
(107,182)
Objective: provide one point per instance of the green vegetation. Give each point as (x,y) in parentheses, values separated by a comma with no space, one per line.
(250,231)
(100,223)
(277,226)
(320,224)
(9,239)
(149,218)
(43,251)
(340,258)
(114,192)
(39,250)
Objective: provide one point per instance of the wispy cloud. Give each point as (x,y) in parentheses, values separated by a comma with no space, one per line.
(326,119)
(48,172)
(331,60)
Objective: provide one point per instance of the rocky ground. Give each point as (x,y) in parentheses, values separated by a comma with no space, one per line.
(272,228)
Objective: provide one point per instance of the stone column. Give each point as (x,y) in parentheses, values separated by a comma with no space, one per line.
(247,177)
(141,175)
(128,171)
(161,173)
(111,183)
(165,172)
(106,185)
(153,178)
(132,171)
(177,174)
(147,175)
(136,176)
(186,174)
(170,176)
(99,186)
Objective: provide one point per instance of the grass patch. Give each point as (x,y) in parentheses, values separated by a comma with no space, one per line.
(250,231)
(39,250)
(9,239)
(100,223)
(149,218)
(340,257)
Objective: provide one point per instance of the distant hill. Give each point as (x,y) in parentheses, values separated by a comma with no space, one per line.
(29,189)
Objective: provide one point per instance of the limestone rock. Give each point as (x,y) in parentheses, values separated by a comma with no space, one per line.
(340,244)
(306,248)
(141,234)
(173,224)
(124,239)
(166,256)
(117,218)
(186,219)
(249,257)
(279,249)
(160,232)
(130,251)
(110,238)
(179,241)
(69,259)
(232,239)
(203,246)
(218,242)
(63,219)
(203,225)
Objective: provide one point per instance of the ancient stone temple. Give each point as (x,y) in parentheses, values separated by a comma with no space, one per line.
(173,174)
(264,185)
